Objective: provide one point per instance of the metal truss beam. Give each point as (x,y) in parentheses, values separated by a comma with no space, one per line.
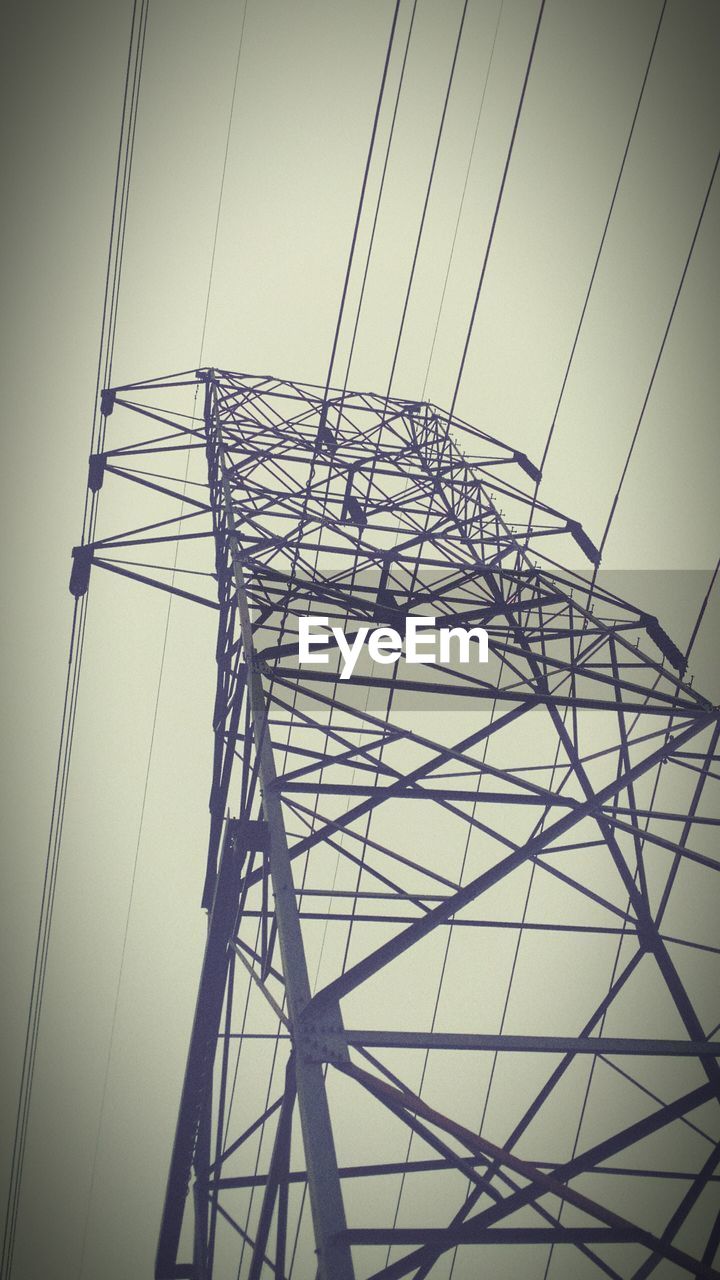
(411,853)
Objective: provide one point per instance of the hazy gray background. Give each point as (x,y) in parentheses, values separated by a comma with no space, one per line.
(307,85)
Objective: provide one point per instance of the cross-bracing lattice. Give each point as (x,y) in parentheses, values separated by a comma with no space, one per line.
(456,1011)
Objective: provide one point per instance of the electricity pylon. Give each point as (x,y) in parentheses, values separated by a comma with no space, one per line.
(454,1014)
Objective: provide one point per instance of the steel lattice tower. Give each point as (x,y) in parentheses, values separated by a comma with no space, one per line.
(455,988)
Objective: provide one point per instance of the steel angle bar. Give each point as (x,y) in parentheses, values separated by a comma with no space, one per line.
(460,1040)
(334,1256)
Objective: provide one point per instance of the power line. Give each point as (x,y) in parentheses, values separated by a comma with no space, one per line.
(426,201)
(222,182)
(701,613)
(462,197)
(136,859)
(378,202)
(133,74)
(656,366)
(338,326)
(498,203)
(601,246)
(626,465)
(361,200)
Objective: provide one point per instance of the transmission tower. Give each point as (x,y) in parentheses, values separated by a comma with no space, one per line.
(454,1014)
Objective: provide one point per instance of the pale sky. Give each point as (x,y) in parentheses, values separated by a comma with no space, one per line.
(306,90)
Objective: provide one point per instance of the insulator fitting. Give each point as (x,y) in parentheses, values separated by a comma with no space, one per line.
(660,637)
(528,467)
(80,572)
(575,528)
(96,471)
(107,401)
